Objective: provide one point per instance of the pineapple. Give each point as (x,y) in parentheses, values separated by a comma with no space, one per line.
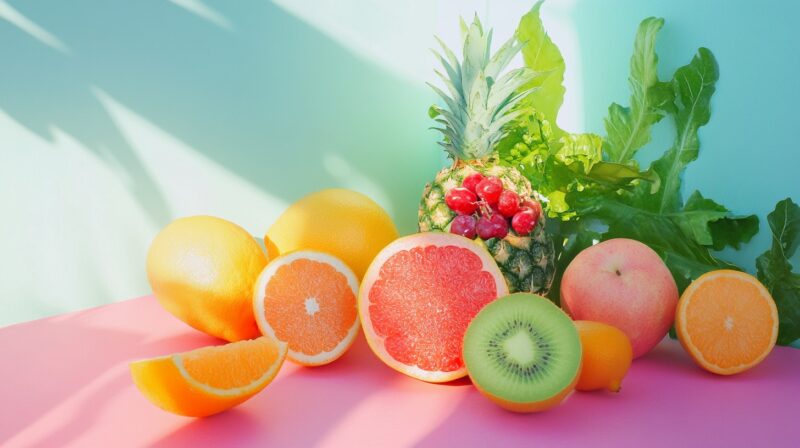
(479,106)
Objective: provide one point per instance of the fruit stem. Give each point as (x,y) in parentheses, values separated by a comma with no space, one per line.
(615,386)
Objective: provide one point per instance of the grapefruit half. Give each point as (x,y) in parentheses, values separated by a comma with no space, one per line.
(418,297)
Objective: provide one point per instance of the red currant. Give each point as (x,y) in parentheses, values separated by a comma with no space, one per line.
(472,181)
(508,204)
(464,225)
(461,201)
(489,189)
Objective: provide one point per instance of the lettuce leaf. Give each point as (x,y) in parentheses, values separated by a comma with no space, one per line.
(542,56)
(774,270)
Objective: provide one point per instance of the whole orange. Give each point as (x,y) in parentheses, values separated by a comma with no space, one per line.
(607,355)
(344,223)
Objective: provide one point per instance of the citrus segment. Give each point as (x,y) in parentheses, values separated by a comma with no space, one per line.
(418,297)
(271,248)
(209,380)
(727,321)
(308,300)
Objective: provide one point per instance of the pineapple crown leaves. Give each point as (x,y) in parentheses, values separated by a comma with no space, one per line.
(480,101)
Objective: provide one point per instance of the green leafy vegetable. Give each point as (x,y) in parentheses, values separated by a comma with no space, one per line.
(628,128)
(775,271)
(594,185)
(711,224)
(693,85)
(542,56)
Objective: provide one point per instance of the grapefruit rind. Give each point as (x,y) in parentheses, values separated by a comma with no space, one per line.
(166,383)
(439,239)
(259,310)
(686,340)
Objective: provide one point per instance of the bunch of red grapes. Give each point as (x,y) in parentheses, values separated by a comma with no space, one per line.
(487,210)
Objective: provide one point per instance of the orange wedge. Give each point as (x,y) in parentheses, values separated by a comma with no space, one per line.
(308,300)
(727,321)
(209,380)
(271,248)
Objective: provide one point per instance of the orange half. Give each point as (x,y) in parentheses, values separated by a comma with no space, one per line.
(727,321)
(308,300)
(209,380)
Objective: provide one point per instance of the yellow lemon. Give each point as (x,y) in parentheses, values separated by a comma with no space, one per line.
(343,223)
(202,270)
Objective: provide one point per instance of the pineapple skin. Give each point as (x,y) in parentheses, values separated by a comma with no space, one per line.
(527,262)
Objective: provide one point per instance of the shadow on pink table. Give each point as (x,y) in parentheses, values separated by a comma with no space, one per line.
(66,383)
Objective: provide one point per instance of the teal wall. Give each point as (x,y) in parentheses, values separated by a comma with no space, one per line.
(118,116)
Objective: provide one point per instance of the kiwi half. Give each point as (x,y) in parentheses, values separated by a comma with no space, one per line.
(523,352)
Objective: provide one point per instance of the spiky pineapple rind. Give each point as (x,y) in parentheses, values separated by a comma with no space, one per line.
(527,262)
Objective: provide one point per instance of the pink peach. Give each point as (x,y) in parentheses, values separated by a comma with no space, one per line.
(623,283)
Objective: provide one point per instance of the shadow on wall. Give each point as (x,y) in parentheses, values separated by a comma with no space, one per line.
(244,88)
(265,95)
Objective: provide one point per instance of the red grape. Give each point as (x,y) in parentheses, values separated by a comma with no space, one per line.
(500,225)
(508,204)
(471,182)
(461,201)
(489,189)
(524,221)
(485,228)
(464,225)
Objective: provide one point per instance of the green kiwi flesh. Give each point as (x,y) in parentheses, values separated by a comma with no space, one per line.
(522,349)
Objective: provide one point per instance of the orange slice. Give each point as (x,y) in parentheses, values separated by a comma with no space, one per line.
(308,300)
(209,380)
(727,321)
(271,248)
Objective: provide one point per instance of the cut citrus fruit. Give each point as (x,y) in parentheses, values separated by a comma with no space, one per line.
(727,321)
(340,222)
(271,248)
(209,380)
(419,295)
(308,300)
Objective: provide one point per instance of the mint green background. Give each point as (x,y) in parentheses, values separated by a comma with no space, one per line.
(119,116)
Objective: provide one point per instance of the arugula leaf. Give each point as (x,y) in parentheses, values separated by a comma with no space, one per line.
(594,186)
(711,224)
(542,55)
(774,270)
(694,85)
(624,218)
(628,128)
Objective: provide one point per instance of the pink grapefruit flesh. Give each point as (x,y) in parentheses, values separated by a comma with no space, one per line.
(418,297)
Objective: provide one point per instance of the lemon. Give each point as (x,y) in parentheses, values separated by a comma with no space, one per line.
(202,270)
(343,223)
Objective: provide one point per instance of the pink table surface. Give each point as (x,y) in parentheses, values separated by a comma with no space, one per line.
(65,382)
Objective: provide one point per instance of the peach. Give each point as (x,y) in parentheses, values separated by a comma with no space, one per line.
(623,283)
